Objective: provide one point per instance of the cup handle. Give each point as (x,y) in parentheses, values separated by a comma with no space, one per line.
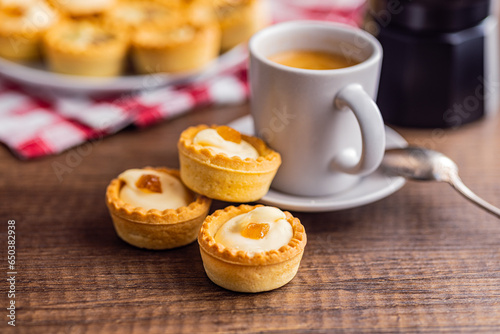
(372,128)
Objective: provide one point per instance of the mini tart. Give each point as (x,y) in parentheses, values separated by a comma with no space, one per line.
(22,28)
(86,48)
(185,46)
(240,271)
(225,178)
(82,7)
(155,229)
(239,20)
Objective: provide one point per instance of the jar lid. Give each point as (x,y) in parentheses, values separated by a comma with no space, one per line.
(429,15)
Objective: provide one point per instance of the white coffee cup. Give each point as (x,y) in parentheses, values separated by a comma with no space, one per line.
(324,123)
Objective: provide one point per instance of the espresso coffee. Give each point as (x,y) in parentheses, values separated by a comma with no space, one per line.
(312,60)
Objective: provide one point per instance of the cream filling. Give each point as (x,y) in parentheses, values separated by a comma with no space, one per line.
(39,15)
(175,36)
(136,14)
(85,34)
(130,14)
(174,194)
(280,231)
(182,34)
(209,138)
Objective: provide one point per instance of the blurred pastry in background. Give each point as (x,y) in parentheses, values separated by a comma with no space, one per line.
(82,7)
(18,4)
(200,11)
(22,25)
(136,14)
(240,19)
(95,37)
(179,47)
(85,47)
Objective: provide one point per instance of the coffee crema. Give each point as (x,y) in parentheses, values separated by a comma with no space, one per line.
(312,60)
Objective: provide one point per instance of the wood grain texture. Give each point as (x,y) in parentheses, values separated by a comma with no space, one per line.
(422,260)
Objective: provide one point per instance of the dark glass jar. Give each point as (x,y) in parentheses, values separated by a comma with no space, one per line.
(439,65)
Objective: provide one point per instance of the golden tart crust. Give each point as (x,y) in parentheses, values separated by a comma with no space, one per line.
(85,47)
(226,178)
(236,270)
(155,229)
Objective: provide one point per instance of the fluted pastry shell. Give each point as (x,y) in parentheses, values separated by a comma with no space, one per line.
(225,178)
(101,59)
(155,229)
(237,270)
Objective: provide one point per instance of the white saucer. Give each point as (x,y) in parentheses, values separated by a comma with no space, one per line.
(369,189)
(37,75)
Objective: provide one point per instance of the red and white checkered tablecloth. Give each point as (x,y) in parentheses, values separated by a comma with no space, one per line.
(33,127)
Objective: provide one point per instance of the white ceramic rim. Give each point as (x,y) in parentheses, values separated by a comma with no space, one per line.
(309,24)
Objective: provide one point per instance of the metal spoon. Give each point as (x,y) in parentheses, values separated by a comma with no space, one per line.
(422,164)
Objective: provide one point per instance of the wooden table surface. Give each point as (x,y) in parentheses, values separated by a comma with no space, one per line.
(421,260)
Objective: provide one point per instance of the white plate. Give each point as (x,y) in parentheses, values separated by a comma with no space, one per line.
(37,75)
(369,189)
